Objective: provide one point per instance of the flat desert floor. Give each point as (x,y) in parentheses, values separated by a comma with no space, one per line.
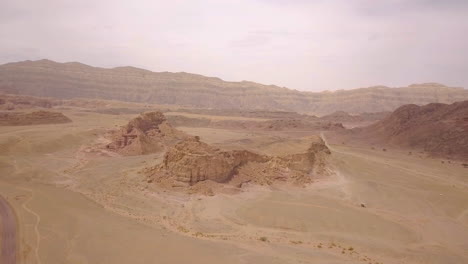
(76,205)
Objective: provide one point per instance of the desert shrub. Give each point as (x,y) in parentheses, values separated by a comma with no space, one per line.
(182,229)
(263,239)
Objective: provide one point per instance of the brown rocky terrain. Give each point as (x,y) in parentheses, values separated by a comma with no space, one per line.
(414,207)
(267,125)
(344,117)
(266,114)
(278,125)
(12,102)
(148,133)
(439,129)
(73,80)
(34,118)
(191,162)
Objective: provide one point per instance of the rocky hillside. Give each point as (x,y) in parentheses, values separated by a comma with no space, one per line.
(71,80)
(439,129)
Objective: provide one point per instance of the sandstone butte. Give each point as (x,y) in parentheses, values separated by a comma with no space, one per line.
(148,133)
(191,161)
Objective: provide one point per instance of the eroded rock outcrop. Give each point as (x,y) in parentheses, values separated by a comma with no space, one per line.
(191,161)
(148,133)
(15,102)
(33,118)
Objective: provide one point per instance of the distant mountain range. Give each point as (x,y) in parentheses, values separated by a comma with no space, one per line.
(75,80)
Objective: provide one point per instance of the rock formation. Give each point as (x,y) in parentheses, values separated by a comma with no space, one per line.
(148,133)
(191,161)
(72,80)
(34,118)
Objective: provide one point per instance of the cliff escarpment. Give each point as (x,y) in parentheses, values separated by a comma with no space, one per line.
(46,78)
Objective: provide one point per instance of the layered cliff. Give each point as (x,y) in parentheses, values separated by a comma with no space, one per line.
(72,80)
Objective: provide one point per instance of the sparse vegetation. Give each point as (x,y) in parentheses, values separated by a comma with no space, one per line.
(350,248)
(296,242)
(384,149)
(263,239)
(199,234)
(182,229)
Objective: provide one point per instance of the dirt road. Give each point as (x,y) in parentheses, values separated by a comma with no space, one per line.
(7,233)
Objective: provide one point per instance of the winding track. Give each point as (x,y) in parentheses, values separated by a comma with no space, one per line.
(7,233)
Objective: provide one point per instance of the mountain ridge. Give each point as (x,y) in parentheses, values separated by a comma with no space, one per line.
(439,129)
(47,78)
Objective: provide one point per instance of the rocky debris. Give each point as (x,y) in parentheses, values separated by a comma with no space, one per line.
(191,162)
(33,118)
(148,133)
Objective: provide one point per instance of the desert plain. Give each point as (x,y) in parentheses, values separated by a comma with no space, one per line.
(78,202)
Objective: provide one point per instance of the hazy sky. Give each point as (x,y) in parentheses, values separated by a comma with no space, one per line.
(304,45)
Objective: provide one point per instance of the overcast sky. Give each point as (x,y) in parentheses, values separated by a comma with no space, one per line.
(304,45)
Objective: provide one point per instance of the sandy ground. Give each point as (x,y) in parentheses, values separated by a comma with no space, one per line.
(76,205)
(8,239)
